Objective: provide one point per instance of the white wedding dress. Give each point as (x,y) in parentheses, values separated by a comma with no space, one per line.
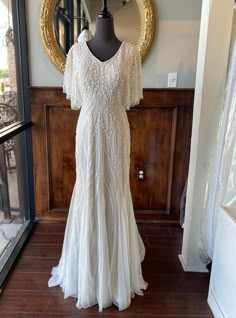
(102,249)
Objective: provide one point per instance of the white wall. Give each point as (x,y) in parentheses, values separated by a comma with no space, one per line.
(176,43)
(174,49)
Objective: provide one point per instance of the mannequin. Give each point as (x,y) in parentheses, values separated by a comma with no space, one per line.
(104,45)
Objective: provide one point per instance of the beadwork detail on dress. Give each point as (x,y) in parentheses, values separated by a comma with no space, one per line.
(102,249)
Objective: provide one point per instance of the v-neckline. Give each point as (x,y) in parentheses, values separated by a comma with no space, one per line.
(106,61)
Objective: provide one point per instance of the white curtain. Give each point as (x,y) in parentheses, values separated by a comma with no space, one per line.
(221,185)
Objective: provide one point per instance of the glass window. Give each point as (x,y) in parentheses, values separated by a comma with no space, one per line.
(12,188)
(10,112)
(16,167)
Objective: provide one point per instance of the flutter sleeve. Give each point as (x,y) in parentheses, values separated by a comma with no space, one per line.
(135,91)
(70,80)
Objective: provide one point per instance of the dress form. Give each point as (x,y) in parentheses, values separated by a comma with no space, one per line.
(104,45)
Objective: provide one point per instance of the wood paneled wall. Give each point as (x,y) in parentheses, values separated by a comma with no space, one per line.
(160,144)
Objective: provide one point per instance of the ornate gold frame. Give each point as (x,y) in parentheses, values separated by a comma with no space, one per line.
(53,51)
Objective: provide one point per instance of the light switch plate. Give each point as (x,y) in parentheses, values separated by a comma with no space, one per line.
(172,79)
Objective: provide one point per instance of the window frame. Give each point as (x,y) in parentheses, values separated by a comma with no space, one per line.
(24,127)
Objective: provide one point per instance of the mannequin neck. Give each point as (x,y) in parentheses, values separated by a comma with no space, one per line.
(105,30)
(104,44)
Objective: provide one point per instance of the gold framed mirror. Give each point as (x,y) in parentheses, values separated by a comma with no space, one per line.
(143,17)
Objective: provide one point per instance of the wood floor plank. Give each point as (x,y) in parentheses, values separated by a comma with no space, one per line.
(177,283)
(155,303)
(77,315)
(44,265)
(28,281)
(161,231)
(42,250)
(47,302)
(49,228)
(171,293)
(172,304)
(35,264)
(46,238)
(160,253)
(164,241)
(54,250)
(162,266)
(167,282)
(172,316)
(96,315)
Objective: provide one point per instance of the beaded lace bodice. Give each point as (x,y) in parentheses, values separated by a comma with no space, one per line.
(113,85)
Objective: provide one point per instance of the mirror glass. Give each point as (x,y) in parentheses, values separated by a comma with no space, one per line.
(71,16)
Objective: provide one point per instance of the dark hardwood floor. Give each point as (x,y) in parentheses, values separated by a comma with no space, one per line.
(171,292)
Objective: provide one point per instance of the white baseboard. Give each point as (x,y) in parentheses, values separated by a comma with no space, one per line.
(215,308)
(196,268)
(182,262)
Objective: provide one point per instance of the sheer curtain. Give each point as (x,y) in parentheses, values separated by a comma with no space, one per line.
(221,185)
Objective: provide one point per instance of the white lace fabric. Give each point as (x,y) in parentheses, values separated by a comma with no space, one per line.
(85,75)
(85,36)
(102,250)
